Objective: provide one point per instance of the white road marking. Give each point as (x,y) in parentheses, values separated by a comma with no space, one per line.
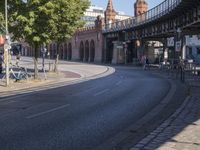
(9,102)
(119,82)
(101,92)
(85,91)
(15,96)
(48,111)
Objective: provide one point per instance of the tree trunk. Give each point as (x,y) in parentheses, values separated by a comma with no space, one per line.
(57,59)
(36,62)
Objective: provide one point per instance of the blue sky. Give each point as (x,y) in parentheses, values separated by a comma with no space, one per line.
(124,5)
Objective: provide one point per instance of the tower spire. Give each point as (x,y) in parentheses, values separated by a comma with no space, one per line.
(141,7)
(110,5)
(110,13)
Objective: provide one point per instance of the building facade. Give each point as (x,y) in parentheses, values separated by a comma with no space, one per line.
(88,43)
(93,12)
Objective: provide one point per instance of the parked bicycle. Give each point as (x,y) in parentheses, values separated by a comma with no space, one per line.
(18,73)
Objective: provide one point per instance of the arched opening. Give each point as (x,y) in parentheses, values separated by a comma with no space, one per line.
(154,51)
(130,53)
(81,51)
(51,51)
(92,51)
(54,51)
(69,51)
(86,51)
(109,51)
(65,51)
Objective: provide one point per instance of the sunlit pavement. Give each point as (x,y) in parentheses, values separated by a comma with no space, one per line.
(69,73)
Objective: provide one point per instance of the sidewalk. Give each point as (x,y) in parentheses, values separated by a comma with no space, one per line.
(69,73)
(180,131)
(25,85)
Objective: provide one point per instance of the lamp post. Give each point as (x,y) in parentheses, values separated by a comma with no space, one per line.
(125,46)
(44,51)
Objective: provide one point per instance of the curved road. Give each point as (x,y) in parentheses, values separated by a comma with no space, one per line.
(80,116)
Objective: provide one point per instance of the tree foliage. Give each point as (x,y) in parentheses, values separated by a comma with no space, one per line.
(42,21)
(2,22)
(67,17)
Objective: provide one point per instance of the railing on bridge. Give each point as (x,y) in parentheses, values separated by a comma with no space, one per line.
(152,14)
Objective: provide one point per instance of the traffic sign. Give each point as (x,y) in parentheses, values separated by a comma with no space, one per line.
(178,46)
(2,40)
(7,46)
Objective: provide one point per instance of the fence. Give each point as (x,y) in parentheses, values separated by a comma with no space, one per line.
(186,72)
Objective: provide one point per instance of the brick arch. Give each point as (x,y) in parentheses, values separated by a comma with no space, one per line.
(69,51)
(81,51)
(87,49)
(92,51)
(65,51)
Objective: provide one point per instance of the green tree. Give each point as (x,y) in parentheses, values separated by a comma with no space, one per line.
(67,19)
(39,22)
(31,22)
(2,22)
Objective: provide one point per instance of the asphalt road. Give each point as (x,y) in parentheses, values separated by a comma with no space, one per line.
(80,116)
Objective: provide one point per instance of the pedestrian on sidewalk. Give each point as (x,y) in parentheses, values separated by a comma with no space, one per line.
(17,60)
(1,62)
(147,63)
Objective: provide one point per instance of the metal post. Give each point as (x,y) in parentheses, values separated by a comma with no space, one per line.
(44,50)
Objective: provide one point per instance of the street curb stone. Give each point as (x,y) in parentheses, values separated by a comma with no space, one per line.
(159,129)
(56,84)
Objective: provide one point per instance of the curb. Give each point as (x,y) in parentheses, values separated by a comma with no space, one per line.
(126,139)
(115,142)
(55,84)
(140,145)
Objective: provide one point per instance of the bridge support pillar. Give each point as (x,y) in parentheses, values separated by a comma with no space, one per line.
(118,53)
(104,50)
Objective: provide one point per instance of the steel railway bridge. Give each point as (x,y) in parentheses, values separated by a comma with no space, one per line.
(172,18)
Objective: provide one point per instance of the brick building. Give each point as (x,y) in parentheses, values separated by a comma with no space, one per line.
(87,44)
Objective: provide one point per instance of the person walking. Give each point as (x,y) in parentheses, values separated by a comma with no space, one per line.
(143,60)
(146,63)
(1,63)
(17,60)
